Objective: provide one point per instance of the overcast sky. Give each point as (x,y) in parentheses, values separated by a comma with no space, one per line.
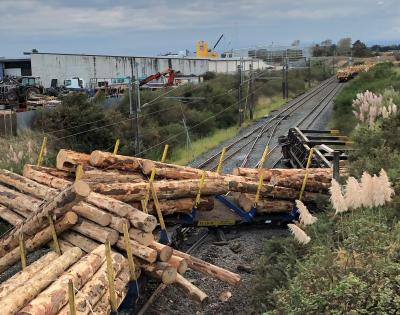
(150,27)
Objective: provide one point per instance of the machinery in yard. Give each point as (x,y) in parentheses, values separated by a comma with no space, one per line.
(16,91)
(169,74)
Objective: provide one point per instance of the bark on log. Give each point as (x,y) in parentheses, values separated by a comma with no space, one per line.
(265,205)
(40,238)
(27,185)
(96,232)
(110,204)
(161,271)
(108,160)
(209,269)
(79,240)
(164,251)
(30,289)
(68,160)
(143,221)
(193,292)
(92,213)
(51,300)
(112,177)
(64,245)
(52,171)
(10,216)
(141,237)
(20,203)
(36,174)
(117,224)
(146,253)
(56,207)
(22,276)
(179,263)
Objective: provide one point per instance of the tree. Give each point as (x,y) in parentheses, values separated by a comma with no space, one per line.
(326,43)
(344,46)
(360,49)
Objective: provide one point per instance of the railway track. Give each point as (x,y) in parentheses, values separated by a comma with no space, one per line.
(248,142)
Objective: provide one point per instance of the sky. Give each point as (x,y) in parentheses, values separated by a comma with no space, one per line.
(150,27)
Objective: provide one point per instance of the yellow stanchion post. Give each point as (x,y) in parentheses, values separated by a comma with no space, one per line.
(128,250)
(111,278)
(22,250)
(303,186)
(221,160)
(42,150)
(260,183)
(264,157)
(201,184)
(164,239)
(54,235)
(164,156)
(71,298)
(79,172)
(116,147)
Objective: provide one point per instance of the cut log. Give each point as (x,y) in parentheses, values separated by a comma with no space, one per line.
(20,203)
(112,205)
(179,263)
(68,160)
(38,281)
(108,160)
(55,207)
(23,276)
(10,216)
(27,185)
(36,174)
(92,213)
(161,271)
(96,232)
(139,250)
(209,269)
(193,292)
(141,237)
(40,238)
(112,177)
(79,240)
(142,221)
(164,251)
(182,205)
(51,300)
(117,224)
(53,171)
(64,245)
(265,205)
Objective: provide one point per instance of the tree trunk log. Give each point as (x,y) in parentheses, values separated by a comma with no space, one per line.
(10,216)
(110,204)
(56,207)
(142,221)
(179,263)
(20,203)
(64,245)
(30,289)
(164,251)
(141,237)
(23,276)
(161,271)
(112,177)
(96,232)
(209,269)
(146,253)
(92,213)
(108,160)
(38,240)
(51,300)
(117,224)
(68,160)
(78,240)
(36,174)
(265,205)
(193,292)
(70,176)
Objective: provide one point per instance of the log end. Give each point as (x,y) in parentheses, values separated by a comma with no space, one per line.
(96,158)
(169,275)
(70,218)
(165,253)
(82,188)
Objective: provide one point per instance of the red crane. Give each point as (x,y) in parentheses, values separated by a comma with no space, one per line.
(171,74)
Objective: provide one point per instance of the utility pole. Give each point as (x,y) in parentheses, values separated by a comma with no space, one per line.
(251,92)
(333,62)
(285,83)
(137,110)
(240,94)
(309,72)
(131,112)
(287,79)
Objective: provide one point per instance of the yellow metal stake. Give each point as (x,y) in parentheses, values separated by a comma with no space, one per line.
(303,186)
(111,278)
(54,235)
(164,156)
(79,172)
(264,157)
(128,250)
(42,149)
(71,298)
(260,183)
(158,209)
(221,160)
(116,147)
(201,184)
(22,250)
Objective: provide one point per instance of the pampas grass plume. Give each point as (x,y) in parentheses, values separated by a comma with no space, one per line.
(306,218)
(386,186)
(299,234)
(337,199)
(352,193)
(367,190)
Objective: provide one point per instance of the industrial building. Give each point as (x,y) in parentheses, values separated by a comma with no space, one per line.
(15,67)
(50,66)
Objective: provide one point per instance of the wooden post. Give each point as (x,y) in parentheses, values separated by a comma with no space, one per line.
(201,184)
(54,235)
(128,250)
(79,172)
(71,299)
(111,278)
(22,250)
(303,186)
(116,147)
(42,149)
(221,160)
(264,157)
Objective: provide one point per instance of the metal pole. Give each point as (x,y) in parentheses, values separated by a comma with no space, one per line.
(335,164)
(131,107)
(137,110)
(251,92)
(240,95)
(286,79)
(309,72)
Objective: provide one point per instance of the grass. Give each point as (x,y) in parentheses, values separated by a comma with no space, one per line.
(181,156)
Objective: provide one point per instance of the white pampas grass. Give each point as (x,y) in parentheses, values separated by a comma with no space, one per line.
(299,234)
(378,195)
(367,190)
(306,218)
(337,199)
(352,195)
(385,186)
